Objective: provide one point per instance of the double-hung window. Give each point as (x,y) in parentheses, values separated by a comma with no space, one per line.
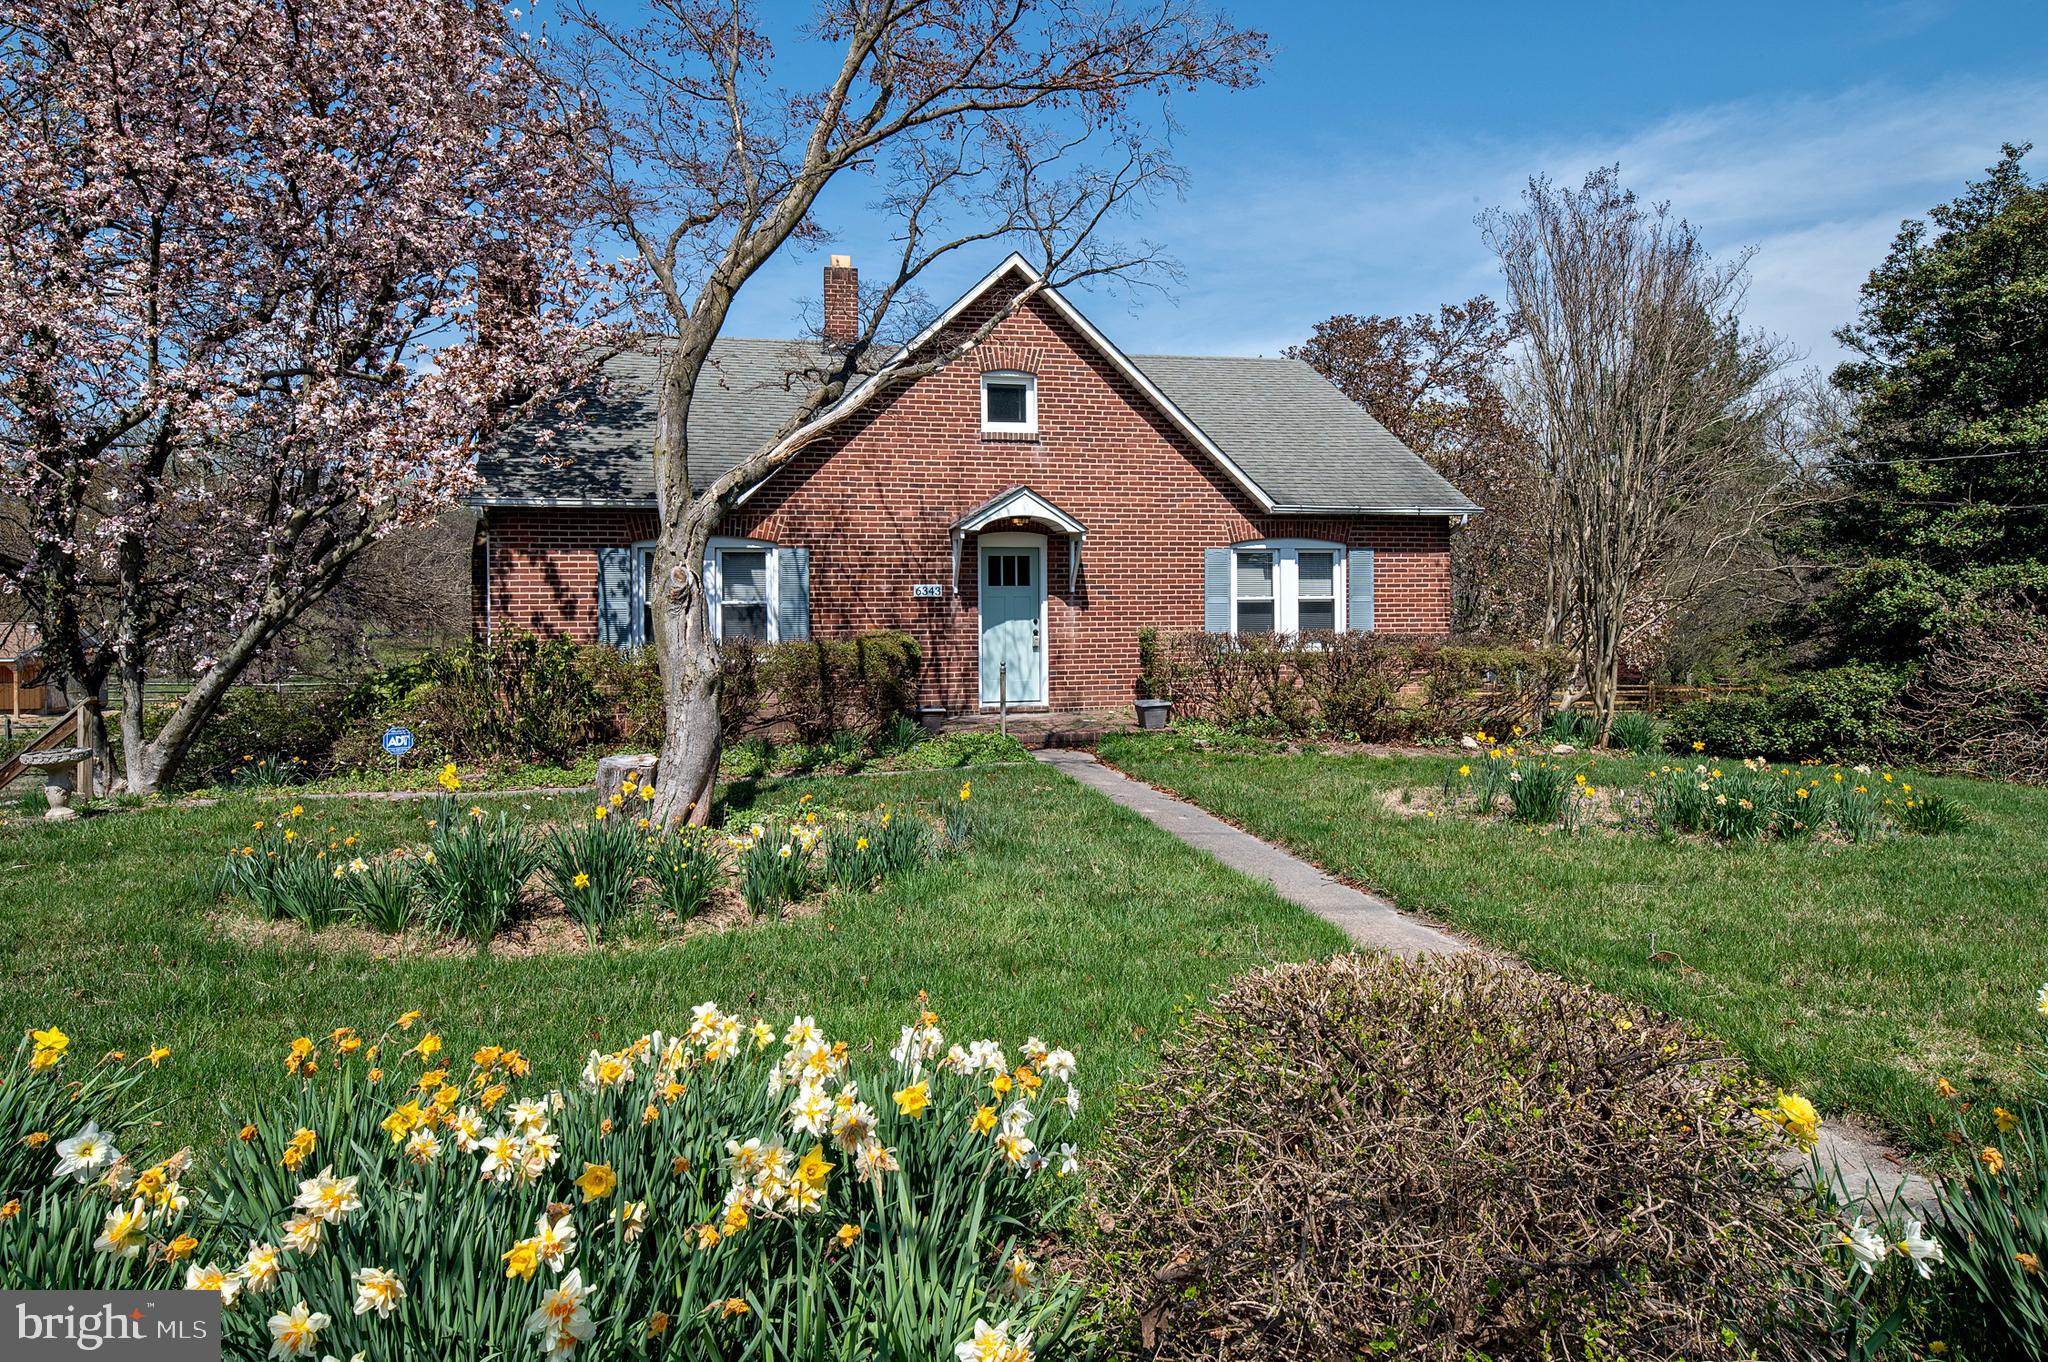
(752,590)
(1286,588)
(743,593)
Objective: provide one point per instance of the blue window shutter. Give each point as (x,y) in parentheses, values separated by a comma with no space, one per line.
(1216,590)
(615,623)
(1359,605)
(793,587)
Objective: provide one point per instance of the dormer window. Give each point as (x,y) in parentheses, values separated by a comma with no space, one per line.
(1009,403)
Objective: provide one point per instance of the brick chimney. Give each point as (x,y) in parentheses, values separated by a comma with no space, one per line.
(842,301)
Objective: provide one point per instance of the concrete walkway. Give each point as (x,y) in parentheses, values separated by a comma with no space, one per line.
(1862,1168)
(1368,920)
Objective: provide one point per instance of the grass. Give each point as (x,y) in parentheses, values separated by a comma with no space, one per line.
(1068,918)
(1854,974)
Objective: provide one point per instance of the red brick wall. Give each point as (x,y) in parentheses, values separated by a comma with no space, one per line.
(873,506)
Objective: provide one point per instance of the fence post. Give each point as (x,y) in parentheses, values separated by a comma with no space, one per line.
(1003,697)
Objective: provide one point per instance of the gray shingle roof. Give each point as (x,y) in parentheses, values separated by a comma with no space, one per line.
(1307,445)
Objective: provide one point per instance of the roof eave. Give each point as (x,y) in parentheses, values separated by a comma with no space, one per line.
(490,503)
(1466,509)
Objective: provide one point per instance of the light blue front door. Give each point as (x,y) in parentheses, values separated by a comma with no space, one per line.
(1012,591)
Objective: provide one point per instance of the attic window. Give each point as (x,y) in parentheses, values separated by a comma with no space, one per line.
(1009,403)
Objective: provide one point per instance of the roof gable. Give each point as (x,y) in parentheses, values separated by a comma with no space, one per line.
(1277,429)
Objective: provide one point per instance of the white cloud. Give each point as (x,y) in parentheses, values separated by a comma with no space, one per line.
(1817,185)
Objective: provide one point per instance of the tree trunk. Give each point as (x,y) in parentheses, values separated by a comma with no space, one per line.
(691,739)
(134,747)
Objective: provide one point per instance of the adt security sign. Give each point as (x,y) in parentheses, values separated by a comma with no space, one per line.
(397,740)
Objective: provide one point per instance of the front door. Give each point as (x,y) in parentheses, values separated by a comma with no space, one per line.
(1012,600)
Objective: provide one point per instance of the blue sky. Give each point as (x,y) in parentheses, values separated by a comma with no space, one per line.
(1348,182)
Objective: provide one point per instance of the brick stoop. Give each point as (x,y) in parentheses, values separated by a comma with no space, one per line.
(1064,728)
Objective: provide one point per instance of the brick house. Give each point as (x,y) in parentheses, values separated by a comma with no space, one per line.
(1022,512)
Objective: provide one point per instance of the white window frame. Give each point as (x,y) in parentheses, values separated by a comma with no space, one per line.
(1287,579)
(1010,378)
(714,585)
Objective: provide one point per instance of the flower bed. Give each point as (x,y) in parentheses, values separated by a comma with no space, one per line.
(727,1189)
(1745,800)
(472,877)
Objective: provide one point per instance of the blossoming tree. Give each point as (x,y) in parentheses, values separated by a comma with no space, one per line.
(1030,124)
(268,274)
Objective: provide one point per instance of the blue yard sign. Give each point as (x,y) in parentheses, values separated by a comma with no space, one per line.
(397,740)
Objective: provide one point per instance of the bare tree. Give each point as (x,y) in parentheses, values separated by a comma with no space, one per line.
(1652,412)
(1026,123)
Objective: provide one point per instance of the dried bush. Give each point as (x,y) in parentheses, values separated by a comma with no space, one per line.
(1448,1159)
(1979,704)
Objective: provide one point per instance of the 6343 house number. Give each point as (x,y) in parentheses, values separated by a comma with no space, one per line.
(926,591)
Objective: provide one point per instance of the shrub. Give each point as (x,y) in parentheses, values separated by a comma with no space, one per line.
(591,865)
(824,687)
(1370,686)
(262,737)
(473,871)
(1838,714)
(1979,703)
(708,1192)
(1442,1159)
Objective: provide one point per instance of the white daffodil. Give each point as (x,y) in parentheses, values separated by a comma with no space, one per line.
(1059,1064)
(296,1333)
(328,1198)
(214,1278)
(423,1146)
(1866,1244)
(125,1232)
(1070,1162)
(554,1241)
(378,1289)
(84,1153)
(811,1112)
(1922,1249)
(304,1234)
(259,1270)
(561,1321)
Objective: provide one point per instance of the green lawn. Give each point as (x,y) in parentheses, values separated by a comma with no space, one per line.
(1855,974)
(1068,918)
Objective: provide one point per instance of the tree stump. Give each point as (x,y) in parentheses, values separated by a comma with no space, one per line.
(612,772)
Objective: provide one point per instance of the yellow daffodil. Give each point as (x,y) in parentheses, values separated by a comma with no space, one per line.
(913,1100)
(597,1181)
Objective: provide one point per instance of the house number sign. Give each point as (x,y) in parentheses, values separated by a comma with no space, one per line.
(926,591)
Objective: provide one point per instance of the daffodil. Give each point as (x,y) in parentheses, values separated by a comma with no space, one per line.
(1865,1244)
(125,1231)
(296,1333)
(326,1197)
(85,1153)
(597,1181)
(378,1289)
(1923,1250)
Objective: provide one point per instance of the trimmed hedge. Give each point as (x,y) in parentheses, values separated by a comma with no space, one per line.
(1373,687)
